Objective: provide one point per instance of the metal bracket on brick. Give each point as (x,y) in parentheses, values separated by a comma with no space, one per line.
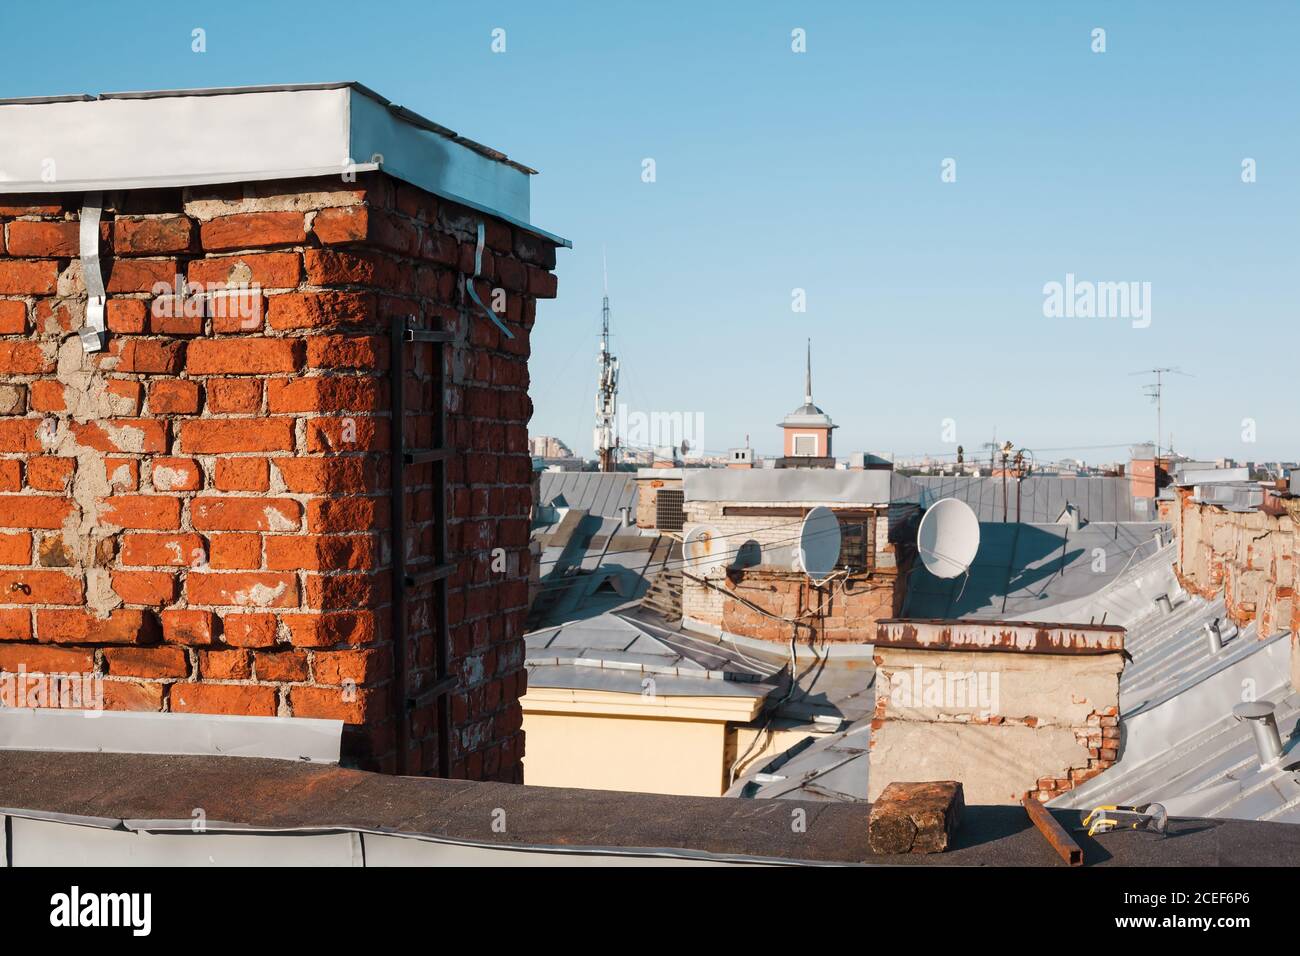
(92,334)
(473,293)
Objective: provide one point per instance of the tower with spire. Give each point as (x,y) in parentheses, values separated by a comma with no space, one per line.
(807,429)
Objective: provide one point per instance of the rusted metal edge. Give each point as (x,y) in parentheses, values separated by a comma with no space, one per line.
(1052,831)
(1021,637)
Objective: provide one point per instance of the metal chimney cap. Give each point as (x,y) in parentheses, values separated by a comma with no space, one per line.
(1253,710)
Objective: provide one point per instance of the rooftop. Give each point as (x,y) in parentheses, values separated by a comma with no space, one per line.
(104,807)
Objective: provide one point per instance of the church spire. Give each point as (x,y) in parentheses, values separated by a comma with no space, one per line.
(807,377)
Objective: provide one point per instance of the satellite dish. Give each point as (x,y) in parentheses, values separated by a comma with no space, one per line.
(948,538)
(704,548)
(819,543)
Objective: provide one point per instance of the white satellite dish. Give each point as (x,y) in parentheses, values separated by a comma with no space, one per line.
(819,543)
(948,538)
(704,548)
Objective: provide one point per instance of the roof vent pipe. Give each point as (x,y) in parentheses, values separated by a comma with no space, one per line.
(627,516)
(1163,602)
(1264,725)
(1215,637)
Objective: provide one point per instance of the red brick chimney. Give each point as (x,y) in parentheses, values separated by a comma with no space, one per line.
(201,514)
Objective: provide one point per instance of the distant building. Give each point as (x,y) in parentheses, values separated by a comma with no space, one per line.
(545,446)
(807,430)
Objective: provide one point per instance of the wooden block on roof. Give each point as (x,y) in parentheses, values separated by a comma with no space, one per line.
(916,817)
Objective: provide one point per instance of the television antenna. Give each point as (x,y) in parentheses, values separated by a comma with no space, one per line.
(1155,392)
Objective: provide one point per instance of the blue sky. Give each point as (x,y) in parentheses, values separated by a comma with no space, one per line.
(821,171)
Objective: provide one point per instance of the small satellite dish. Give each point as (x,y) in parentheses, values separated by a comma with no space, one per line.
(948,538)
(704,548)
(819,543)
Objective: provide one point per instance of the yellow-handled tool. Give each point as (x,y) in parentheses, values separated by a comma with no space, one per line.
(1151,817)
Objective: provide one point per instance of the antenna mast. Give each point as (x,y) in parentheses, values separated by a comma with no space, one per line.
(1155,392)
(603,438)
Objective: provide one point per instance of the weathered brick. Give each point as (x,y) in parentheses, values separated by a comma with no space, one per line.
(320,552)
(147,662)
(140,275)
(234,396)
(15,548)
(50,473)
(173,397)
(225,665)
(162,550)
(134,435)
(57,240)
(354,707)
(19,277)
(25,511)
(269,270)
(141,236)
(253,230)
(222,436)
(320,310)
(123,626)
(249,630)
(285,667)
(246,589)
(235,552)
(241,699)
(244,356)
(245,514)
(149,512)
(176,474)
(192,627)
(24,358)
(13,317)
(127,316)
(145,587)
(242,474)
(150,356)
(332,393)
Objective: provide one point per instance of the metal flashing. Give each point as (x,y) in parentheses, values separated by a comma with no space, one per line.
(101,731)
(250,134)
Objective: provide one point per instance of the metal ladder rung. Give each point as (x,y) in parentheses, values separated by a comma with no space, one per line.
(424,457)
(431,693)
(427,335)
(428,577)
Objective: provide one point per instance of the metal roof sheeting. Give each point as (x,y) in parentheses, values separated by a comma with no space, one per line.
(250,134)
(596,492)
(1024,570)
(1042,497)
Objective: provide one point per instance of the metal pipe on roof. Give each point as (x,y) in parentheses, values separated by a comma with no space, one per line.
(1263,724)
(1215,637)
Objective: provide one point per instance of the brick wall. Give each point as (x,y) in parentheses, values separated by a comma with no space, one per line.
(1007,708)
(199,514)
(1251,557)
(758,601)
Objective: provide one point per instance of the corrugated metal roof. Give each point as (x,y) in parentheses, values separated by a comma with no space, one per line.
(1042,498)
(591,564)
(1025,570)
(596,492)
(1181,746)
(613,653)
